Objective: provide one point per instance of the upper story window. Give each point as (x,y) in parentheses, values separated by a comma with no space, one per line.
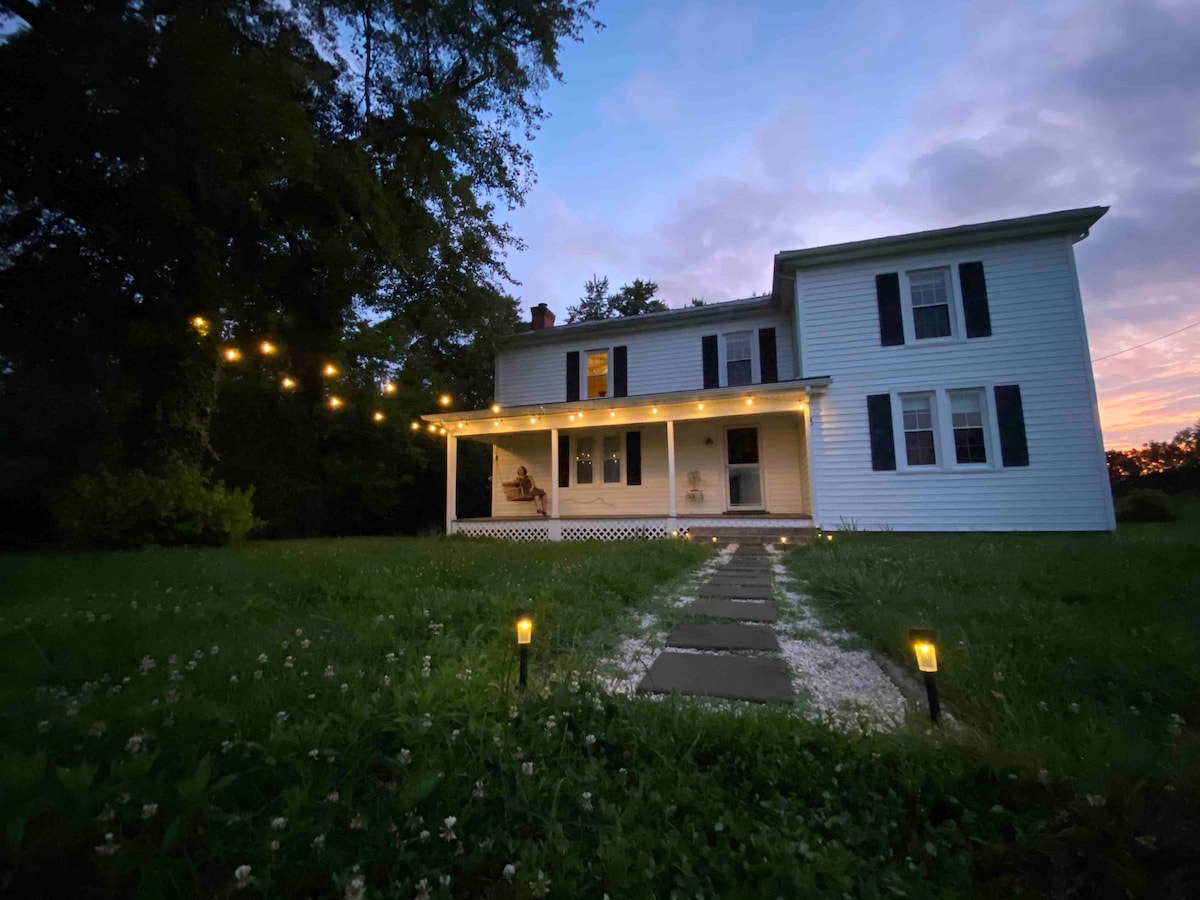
(919,429)
(597,374)
(739,359)
(966,413)
(931,294)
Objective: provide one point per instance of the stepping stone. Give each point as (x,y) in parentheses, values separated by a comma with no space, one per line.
(736,592)
(733,609)
(723,637)
(758,679)
(744,566)
(764,578)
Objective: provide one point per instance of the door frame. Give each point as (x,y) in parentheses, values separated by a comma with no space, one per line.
(762,475)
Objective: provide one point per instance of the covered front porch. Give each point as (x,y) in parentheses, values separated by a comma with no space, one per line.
(648,466)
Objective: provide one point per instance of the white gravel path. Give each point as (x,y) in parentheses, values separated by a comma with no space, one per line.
(838,683)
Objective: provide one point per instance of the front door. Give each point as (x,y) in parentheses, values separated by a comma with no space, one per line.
(742,469)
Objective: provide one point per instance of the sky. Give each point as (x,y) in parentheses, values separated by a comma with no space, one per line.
(691,141)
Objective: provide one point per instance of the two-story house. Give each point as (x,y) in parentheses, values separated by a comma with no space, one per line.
(933,381)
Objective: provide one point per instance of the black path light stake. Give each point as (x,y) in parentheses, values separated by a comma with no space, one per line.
(924,643)
(524,636)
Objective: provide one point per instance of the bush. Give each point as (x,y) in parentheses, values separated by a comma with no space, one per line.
(1144,506)
(175,506)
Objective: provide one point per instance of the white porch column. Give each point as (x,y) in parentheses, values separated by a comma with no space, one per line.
(554,473)
(451,482)
(671,489)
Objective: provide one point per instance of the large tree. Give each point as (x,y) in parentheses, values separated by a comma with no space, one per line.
(163,160)
(631,300)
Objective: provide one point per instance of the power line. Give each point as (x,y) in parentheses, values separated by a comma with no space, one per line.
(1147,343)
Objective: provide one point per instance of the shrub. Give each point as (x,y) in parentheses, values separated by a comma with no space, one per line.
(1144,506)
(177,505)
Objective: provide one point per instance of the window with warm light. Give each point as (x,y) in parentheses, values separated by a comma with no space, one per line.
(597,374)
(919,429)
(612,459)
(739,362)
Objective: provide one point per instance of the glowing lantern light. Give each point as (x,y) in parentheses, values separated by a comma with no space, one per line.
(924,644)
(714,540)
(389,387)
(524,637)
(201,325)
(335,402)
(783,539)
(266,348)
(444,400)
(378,417)
(829,537)
(674,534)
(232,354)
(330,370)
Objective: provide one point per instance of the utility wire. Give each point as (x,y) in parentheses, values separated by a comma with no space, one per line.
(1147,343)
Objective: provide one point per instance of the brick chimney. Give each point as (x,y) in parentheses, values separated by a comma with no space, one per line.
(542,317)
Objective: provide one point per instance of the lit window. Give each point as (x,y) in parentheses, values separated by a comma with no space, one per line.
(612,459)
(930,292)
(919,442)
(738,365)
(597,374)
(583,460)
(966,409)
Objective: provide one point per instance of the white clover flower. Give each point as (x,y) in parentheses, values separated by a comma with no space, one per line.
(550,725)
(172,660)
(586,800)
(214,650)
(318,843)
(73,708)
(405,756)
(478,792)
(424,835)
(274,845)
(97,729)
(197,654)
(149,810)
(262,658)
(527,768)
(427,721)
(134,744)
(358,823)
(454,734)
(445,880)
(541,887)
(133,604)
(387,680)
(422,888)
(172,696)
(513,712)
(298,632)
(329,673)
(289,662)
(242,874)
(43,726)
(279,823)
(108,848)
(233,679)
(258,674)
(448,829)
(344,687)
(590,739)
(147,664)
(191,665)
(306,643)
(390,657)
(226,746)
(509,871)
(314,753)
(283,645)
(356,889)
(332,797)
(1074,707)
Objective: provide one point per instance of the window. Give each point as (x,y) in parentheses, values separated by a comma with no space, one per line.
(966,412)
(597,374)
(919,443)
(738,361)
(930,292)
(612,459)
(583,460)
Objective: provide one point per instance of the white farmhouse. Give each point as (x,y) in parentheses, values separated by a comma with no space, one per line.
(935,381)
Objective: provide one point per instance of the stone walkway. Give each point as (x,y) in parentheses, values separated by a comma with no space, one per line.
(741,661)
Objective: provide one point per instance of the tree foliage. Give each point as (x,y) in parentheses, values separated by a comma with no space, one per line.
(631,300)
(1168,465)
(325,174)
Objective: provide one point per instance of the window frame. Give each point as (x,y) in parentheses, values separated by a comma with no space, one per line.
(943,415)
(586,392)
(953,301)
(619,456)
(762,469)
(597,436)
(723,356)
(934,420)
(985,426)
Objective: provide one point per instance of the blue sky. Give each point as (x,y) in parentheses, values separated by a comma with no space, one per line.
(691,141)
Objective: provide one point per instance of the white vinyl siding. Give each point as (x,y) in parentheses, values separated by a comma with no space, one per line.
(662,358)
(1037,342)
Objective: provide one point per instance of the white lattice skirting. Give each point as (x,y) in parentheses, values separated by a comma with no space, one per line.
(607,529)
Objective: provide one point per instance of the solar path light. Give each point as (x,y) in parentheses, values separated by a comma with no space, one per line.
(925,647)
(524,636)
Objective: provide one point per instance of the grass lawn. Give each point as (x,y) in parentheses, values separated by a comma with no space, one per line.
(324,718)
(1077,653)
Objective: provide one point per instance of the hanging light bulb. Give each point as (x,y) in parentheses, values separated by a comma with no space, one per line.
(378,417)
(232,354)
(415,426)
(330,370)
(201,325)
(444,400)
(389,387)
(495,407)
(266,348)
(335,402)
(288,384)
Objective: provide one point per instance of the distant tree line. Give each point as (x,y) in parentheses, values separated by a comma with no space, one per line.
(1171,466)
(319,173)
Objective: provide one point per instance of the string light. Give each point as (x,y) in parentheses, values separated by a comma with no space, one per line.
(612,415)
(533,420)
(654,410)
(390,387)
(288,383)
(266,348)
(571,417)
(443,430)
(232,354)
(496,423)
(201,325)
(749,401)
(415,426)
(460,424)
(495,407)
(378,417)
(432,427)
(335,402)
(444,399)
(699,406)
(330,370)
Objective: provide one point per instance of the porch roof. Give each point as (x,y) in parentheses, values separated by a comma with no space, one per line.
(782,396)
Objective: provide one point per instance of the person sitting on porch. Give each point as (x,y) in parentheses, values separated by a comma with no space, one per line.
(525,489)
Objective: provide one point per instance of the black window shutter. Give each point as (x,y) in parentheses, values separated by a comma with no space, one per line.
(712,366)
(633,457)
(620,371)
(891,316)
(766,355)
(1010,416)
(573,375)
(564,460)
(883,445)
(975,301)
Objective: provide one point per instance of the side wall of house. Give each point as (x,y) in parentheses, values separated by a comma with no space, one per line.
(662,358)
(1038,342)
(785,478)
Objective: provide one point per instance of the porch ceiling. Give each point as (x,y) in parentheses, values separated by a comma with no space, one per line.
(784,396)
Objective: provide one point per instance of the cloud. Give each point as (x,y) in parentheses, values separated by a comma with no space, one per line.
(641,99)
(1071,104)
